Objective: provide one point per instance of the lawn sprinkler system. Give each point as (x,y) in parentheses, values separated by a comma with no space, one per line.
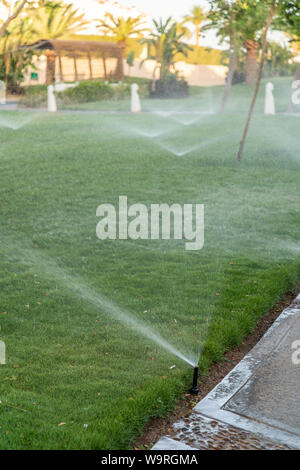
(195,390)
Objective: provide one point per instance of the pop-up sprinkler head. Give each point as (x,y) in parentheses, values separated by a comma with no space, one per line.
(195,390)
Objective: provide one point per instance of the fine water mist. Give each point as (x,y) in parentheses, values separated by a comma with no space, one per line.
(181,153)
(17,120)
(148,134)
(80,288)
(186,120)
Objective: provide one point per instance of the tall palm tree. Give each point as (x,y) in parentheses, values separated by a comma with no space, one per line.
(164,43)
(183,29)
(14,8)
(273,9)
(14,58)
(121,29)
(223,17)
(54,19)
(278,57)
(253,17)
(196,16)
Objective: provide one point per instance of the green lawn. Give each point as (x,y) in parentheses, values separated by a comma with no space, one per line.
(76,377)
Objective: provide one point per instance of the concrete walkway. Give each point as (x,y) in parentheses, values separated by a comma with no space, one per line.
(11,105)
(257,405)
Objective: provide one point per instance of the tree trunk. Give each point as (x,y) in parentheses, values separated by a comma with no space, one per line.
(231,70)
(7,63)
(120,66)
(161,72)
(153,85)
(160,61)
(18,67)
(272,13)
(251,61)
(50,71)
(197,35)
(61,75)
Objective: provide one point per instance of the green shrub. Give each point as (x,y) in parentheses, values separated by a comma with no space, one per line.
(170,87)
(120,90)
(34,96)
(143,84)
(85,92)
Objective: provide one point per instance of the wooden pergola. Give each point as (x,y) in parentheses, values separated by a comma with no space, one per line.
(91,50)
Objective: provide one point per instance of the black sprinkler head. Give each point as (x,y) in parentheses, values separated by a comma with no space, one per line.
(195,390)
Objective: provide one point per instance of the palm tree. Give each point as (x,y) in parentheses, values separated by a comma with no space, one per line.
(223,17)
(290,22)
(253,17)
(164,43)
(196,16)
(14,9)
(273,9)
(242,22)
(54,19)
(184,30)
(278,57)
(14,58)
(121,29)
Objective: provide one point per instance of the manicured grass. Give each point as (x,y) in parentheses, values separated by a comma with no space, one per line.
(71,362)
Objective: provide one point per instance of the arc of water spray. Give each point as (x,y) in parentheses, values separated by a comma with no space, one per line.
(17,126)
(98,300)
(150,135)
(189,150)
(186,122)
(179,117)
(126,318)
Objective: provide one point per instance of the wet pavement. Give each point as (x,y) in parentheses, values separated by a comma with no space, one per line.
(272,395)
(201,433)
(257,405)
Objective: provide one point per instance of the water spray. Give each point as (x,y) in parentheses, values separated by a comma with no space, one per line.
(195,390)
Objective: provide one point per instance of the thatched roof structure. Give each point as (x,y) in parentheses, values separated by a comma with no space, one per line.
(78,48)
(59,48)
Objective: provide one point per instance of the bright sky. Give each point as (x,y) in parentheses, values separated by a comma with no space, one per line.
(165,8)
(95,9)
(152,8)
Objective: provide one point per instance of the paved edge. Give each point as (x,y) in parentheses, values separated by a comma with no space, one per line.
(166,443)
(212,406)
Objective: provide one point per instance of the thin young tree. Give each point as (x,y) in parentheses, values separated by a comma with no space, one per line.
(273,7)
